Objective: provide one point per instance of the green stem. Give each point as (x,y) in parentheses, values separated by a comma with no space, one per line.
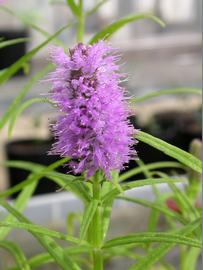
(81,23)
(98,260)
(96,226)
(183,252)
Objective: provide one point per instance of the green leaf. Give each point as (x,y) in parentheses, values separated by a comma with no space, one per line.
(183,90)
(112,28)
(79,188)
(139,183)
(65,262)
(149,237)
(74,8)
(23,107)
(20,204)
(151,166)
(171,150)
(7,43)
(19,63)
(154,205)
(25,165)
(67,182)
(32,178)
(26,193)
(156,254)
(44,258)
(14,105)
(34,228)
(88,217)
(17,253)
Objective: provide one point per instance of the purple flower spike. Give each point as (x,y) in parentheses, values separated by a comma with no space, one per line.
(93,128)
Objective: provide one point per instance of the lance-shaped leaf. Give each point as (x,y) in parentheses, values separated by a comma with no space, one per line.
(150,237)
(56,251)
(20,204)
(108,31)
(44,258)
(181,90)
(34,228)
(65,181)
(11,42)
(182,156)
(32,178)
(139,183)
(156,254)
(24,196)
(151,166)
(74,7)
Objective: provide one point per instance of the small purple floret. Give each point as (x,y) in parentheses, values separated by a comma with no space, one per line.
(93,128)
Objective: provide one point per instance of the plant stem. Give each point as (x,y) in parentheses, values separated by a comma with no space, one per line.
(96,226)
(183,252)
(81,23)
(98,260)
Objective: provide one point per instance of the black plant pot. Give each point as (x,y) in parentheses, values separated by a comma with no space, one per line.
(175,127)
(33,151)
(9,55)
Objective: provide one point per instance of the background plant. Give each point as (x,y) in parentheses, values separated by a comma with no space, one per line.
(90,249)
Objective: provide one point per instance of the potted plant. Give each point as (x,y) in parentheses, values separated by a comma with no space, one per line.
(95,138)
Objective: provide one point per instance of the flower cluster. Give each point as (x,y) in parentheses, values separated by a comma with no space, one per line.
(93,128)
